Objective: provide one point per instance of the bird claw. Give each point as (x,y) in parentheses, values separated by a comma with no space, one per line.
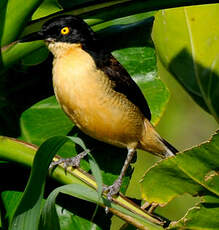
(70,162)
(149,207)
(112,190)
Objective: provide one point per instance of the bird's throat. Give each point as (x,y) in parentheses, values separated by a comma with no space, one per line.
(60,49)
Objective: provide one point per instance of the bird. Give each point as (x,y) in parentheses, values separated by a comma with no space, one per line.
(97,93)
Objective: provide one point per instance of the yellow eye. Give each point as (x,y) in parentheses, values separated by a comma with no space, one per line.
(65,30)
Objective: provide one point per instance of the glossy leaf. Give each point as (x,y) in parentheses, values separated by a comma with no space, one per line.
(43,120)
(16,17)
(46,8)
(195,172)
(69,221)
(187,42)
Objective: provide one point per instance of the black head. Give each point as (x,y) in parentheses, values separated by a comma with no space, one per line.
(67,28)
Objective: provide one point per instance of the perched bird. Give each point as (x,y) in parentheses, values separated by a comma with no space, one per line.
(97,93)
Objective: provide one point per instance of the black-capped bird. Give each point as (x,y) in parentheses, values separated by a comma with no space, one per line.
(97,93)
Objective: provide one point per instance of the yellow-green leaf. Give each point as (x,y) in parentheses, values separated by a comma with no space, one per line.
(187,42)
(195,172)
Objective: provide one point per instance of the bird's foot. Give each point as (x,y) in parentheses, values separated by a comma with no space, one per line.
(149,207)
(71,161)
(112,190)
(153,207)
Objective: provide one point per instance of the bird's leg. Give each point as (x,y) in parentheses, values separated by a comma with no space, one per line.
(71,161)
(115,187)
(153,207)
(149,207)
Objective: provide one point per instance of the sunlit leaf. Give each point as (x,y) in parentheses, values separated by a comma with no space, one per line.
(187,42)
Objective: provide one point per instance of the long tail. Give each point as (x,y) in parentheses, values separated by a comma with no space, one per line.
(152,142)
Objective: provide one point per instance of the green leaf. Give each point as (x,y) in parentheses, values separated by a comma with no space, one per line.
(27,212)
(43,120)
(10,200)
(204,215)
(46,8)
(187,42)
(69,221)
(49,214)
(195,171)
(3,8)
(36,57)
(17,52)
(17,15)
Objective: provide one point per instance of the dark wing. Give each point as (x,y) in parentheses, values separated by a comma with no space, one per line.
(126,85)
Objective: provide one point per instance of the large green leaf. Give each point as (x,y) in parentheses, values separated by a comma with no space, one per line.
(17,15)
(204,215)
(187,42)
(194,171)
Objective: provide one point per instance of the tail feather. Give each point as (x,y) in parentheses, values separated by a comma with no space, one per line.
(152,142)
(169,147)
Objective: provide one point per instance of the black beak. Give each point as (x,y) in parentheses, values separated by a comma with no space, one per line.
(33,37)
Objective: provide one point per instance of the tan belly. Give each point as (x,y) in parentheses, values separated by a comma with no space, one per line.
(87,97)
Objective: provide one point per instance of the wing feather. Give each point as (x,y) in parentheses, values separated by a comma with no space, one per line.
(126,85)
